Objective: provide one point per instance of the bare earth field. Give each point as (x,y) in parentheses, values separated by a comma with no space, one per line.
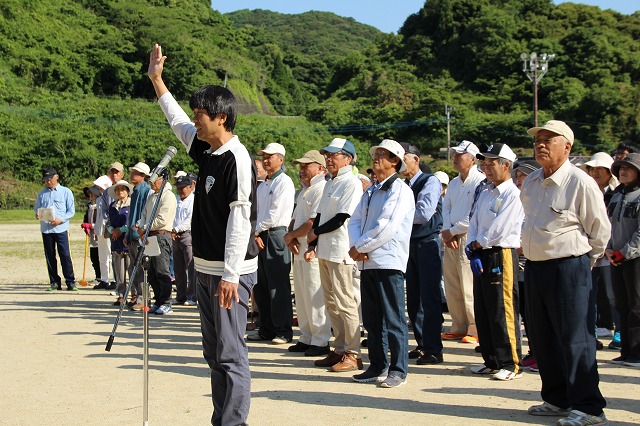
(55,370)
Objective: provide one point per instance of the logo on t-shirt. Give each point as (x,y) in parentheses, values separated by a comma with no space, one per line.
(209,183)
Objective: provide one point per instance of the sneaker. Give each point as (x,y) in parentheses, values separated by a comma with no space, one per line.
(416,353)
(317,350)
(603,332)
(348,362)
(190,303)
(546,409)
(100,286)
(482,369)
(299,347)
(599,345)
(452,336)
(470,339)
(393,381)
(578,418)
(533,367)
(618,360)
(430,359)
(369,376)
(72,288)
(153,309)
(632,362)
(506,375)
(615,342)
(528,360)
(281,340)
(54,287)
(256,337)
(111,286)
(163,310)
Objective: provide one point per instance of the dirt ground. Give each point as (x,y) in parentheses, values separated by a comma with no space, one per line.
(55,370)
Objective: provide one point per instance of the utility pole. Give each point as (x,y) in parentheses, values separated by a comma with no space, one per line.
(447,113)
(535,67)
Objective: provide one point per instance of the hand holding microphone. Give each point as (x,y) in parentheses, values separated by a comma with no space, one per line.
(168,156)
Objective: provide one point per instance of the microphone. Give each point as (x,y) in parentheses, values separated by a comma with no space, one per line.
(168,156)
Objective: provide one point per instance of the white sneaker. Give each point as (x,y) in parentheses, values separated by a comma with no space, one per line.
(603,332)
(506,375)
(164,310)
(546,409)
(482,369)
(578,418)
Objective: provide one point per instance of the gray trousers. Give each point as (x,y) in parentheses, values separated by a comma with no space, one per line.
(122,270)
(183,268)
(136,287)
(225,349)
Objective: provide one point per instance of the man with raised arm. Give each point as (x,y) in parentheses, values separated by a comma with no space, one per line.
(224,250)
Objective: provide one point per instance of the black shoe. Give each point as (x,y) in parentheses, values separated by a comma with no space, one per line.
(298,347)
(416,353)
(364,343)
(599,345)
(111,286)
(477,349)
(100,286)
(317,350)
(430,359)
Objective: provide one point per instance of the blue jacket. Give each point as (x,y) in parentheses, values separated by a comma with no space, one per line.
(381,225)
(138,200)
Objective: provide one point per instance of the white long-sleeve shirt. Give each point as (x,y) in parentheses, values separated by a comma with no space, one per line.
(458,201)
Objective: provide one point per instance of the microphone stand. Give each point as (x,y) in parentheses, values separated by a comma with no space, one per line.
(138,262)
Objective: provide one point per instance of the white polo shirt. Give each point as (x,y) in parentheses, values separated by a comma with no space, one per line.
(307,206)
(341,195)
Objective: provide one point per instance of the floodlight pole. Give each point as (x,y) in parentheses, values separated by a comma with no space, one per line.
(447,113)
(535,67)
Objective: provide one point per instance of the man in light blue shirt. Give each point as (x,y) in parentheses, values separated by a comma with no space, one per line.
(379,232)
(55,206)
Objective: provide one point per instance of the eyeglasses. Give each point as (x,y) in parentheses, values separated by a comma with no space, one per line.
(329,155)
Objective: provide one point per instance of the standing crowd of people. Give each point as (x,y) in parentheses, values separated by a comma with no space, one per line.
(534,241)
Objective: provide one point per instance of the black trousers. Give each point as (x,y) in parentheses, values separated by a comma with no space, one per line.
(495,304)
(159,277)
(561,314)
(626,287)
(61,242)
(273,290)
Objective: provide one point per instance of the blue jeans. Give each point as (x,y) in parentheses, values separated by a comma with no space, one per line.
(424,299)
(383,316)
(61,241)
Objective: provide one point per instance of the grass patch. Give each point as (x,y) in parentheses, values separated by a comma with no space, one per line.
(27,216)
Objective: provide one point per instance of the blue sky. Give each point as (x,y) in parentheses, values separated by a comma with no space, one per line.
(384,15)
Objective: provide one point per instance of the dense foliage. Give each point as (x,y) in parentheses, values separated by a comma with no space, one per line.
(74,94)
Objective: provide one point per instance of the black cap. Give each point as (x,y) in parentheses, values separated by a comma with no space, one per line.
(410,149)
(183,181)
(49,173)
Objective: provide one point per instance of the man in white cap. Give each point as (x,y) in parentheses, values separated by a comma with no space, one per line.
(494,236)
(456,207)
(272,293)
(315,328)
(138,175)
(424,267)
(379,233)
(329,241)
(565,231)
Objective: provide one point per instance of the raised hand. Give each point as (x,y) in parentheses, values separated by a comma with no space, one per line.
(156,62)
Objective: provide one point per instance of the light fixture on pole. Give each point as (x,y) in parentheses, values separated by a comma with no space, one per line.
(535,67)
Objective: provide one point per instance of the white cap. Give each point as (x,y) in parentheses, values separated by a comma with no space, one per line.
(600,159)
(466,147)
(498,150)
(141,168)
(179,173)
(103,182)
(273,148)
(393,147)
(555,126)
(442,177)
